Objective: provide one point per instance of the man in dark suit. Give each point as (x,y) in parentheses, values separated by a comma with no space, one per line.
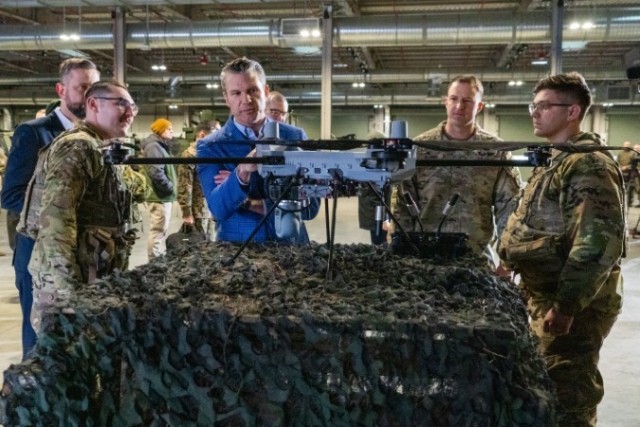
(76,75)
(235,194)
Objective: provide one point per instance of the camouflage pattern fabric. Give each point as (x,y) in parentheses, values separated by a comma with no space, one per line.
(485,192)
(190,195)
(569,231)
(137,183)
(565,240)
(83,212)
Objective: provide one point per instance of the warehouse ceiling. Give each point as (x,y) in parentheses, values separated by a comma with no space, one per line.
(404,52)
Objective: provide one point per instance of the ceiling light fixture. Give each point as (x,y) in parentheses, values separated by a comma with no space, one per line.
(540,60)
(212,86)
(69,36)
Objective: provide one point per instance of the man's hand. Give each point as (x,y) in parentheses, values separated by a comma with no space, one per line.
(221,177)
(557,323)
(244,170)
(188,220)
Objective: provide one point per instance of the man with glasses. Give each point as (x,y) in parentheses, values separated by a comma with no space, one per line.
(77,206)
(565,240)
(487,193)
(76,75)
(277,107)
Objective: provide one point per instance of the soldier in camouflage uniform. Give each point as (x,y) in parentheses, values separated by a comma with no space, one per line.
(194,209)
(628,165)
(565,240)
(488,194)
(77,207)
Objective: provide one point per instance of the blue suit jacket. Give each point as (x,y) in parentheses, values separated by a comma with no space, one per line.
(227,200)
(28,138)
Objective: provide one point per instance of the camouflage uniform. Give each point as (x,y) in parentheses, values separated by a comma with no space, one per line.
(629,173)
(485,192)
(77,208)
(190,196)
(565,240)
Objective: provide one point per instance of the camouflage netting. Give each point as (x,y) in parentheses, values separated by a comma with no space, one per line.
(268,342)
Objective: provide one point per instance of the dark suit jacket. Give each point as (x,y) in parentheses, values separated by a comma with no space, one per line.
(28,138)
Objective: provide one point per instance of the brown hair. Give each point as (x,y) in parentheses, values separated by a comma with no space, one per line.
(572,86)
(471,80)
(241,66)
(70,64)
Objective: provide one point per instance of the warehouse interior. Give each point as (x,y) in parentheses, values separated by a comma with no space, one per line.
(347,67)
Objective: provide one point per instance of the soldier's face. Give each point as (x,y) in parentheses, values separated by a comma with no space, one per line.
(246,97)
(111,115)
(550,119)
(463,104)
(71,90)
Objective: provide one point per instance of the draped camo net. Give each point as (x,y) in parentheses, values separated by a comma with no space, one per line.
(268,341)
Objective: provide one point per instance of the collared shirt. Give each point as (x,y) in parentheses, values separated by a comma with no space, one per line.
(249,132)
(66,123)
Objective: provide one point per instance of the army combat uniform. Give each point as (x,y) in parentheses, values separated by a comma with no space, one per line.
(77,209)
(190,196)
(485,192)
(565,240)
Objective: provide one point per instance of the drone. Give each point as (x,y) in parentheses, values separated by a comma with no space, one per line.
(294,172)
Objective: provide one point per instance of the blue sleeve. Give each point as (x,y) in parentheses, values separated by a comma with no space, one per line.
(224,199)
(21,164)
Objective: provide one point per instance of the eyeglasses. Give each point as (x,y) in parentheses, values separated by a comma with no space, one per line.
(544,106)
(121,103)
(276,112)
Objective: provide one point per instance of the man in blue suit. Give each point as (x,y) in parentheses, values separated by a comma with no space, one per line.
(76,75)
(235,194)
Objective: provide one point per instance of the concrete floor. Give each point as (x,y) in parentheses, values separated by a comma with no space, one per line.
(620,357)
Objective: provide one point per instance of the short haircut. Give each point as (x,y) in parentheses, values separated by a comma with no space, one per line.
(470,79)
(241,66)
(103,87)
(70,64)
(205,127)
(274,95)
(571,86)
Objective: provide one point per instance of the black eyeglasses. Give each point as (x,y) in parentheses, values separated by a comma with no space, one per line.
(276,112)
(121,103)
(544,106)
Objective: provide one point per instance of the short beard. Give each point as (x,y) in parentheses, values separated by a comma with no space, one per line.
(78,111)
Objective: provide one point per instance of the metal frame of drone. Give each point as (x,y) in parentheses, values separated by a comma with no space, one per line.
(322,168)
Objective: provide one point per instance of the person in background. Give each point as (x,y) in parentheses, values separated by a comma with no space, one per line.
(277,107)
(163,180)
(77,207)
(487,194)
(76,75)
(636,158)
(565,240)
(629,167)
(3,165)
(194,208)
(235,193)
(368,202)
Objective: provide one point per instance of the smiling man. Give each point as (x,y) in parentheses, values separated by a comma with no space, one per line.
(235,193)
(487,193)
(565,240)
(77,206)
